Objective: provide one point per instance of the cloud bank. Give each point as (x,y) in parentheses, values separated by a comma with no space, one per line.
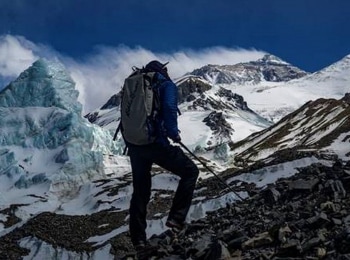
(101,74)
(16,54)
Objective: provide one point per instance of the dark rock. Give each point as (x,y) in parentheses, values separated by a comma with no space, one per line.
(271,195)
(346,98)
(258,240)
(303,184)
(336,187)
(191,86)
(312,243)
(318,221)
(291,248)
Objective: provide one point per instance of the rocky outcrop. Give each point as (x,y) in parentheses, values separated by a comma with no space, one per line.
(346,98)
(114,101)
(233,97)
(218,124)
(189,87)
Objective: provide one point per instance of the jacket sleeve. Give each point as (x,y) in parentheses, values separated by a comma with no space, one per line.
(168,99)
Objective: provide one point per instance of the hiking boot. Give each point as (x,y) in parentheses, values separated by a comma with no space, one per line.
(140,248)
(174,225)
(140,245)
(144,250)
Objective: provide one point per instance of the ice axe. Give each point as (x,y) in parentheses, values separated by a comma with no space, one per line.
(210,170)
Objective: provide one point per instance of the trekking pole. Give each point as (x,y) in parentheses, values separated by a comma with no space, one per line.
(116,132)
(210,170)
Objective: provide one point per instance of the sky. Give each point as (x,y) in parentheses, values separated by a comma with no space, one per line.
(105,38)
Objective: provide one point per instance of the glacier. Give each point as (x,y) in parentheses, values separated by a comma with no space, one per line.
(43,136)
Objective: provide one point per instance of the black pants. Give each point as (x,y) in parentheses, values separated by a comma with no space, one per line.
(171,158)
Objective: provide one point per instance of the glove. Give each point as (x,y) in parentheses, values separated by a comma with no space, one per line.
(176,139)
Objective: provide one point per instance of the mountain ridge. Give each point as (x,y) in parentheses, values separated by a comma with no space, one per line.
(269,68)
(314,126)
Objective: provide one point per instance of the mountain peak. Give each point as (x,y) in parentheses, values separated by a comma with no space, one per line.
(272,59)
(43,68)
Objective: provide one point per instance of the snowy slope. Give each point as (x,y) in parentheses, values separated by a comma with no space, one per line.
(322,125)
(275,100)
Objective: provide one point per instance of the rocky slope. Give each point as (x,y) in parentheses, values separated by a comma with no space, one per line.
(320,125)
(302,217)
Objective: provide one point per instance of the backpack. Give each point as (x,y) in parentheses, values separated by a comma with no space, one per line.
(139,108)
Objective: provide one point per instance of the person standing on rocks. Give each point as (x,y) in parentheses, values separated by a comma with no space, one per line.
(164,154)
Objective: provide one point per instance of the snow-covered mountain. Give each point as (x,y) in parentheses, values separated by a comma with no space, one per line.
(65,187)
(274,100)
(217,113)
(267,69)
(245,96)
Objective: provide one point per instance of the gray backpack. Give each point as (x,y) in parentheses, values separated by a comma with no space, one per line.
(139,108)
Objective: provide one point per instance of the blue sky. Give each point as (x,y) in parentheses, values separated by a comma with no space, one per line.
(100,40)
(310,34)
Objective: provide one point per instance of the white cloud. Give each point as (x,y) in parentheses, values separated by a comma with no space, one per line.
(16,54)
(101,74)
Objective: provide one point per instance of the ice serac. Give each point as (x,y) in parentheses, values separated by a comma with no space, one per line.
(43,136)
(44,84)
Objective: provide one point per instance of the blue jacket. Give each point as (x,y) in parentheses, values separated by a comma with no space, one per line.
(167,126)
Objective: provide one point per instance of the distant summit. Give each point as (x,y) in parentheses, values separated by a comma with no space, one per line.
(269,68)
(270,59)
(338,71)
